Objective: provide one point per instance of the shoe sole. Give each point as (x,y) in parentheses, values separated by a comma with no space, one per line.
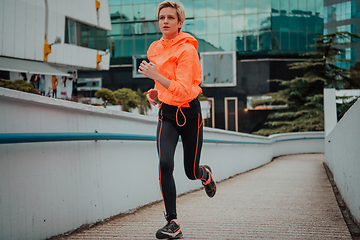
(210,194)
(162,235)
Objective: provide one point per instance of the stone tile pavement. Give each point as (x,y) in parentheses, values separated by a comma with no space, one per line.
(289,198)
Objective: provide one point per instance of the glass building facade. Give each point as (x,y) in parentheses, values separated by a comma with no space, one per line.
(266,26)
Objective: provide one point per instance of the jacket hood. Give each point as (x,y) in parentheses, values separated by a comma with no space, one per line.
(179,39)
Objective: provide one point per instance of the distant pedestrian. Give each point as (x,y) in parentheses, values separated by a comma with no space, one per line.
(54,83)
(42,84)
(74,92)
(175,67)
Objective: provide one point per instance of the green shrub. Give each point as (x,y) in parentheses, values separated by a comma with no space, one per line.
(129,99)
(19,85)
(106,95)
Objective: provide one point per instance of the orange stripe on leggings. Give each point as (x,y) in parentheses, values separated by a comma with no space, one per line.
(197,144)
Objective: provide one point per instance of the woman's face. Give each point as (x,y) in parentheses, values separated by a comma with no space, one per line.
(169,23)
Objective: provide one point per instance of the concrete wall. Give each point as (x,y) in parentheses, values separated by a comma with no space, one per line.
(342,153)
(22,30)
(50,188)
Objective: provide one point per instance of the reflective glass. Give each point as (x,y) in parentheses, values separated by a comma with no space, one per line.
(214,45)
(212,8)
(212,25)
(127,11)
(294,23)
(302,24)
(237,7)
(251,6)
(150,1)
(116,50)
(293,6)
(284,5)
(265,41)
(138,1)
(275,5)
(128,28)
(264,21)
(311,6)
(140,45)
(139,12)
(275,22)
(115,12)
(115,29)
(202,42)
(238,23)
(151,11)
(284,41)
(114,2)
(264,6)
(225,24)
(311,24)
(325,15)
(251,42)
(294,38)
(188,26)
(225,7)
(302,5)
(189,9)
(251,21)
(225,42)
(199,8)
(199,26)
(275,41)
(150,39)
(151,27)
(238,42)
(128,49)
(284,23)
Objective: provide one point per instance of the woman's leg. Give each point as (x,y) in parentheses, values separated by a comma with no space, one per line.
(167,139)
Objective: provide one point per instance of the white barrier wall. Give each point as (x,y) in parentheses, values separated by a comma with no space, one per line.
(342,152)
(50,188)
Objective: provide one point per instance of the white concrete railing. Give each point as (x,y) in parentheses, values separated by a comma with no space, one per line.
(342,152)
(50,188)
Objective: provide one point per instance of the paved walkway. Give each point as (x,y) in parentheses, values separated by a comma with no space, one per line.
(290,198)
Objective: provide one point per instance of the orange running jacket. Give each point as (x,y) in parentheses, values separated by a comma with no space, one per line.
(177,60)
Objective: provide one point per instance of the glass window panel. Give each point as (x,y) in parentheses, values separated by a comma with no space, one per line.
(319,25)
(251,6)
(275,41)
(127,11)
(275,22)
(212,42)
(115,29)
(150,39)
(128,28)
(151,11)
(237,7)
(199,8)
(225,7)
(139,12)
(188,26)
(189,9)
(302,24)
(293,6)
(311,24)
(275,5)
(319,7)
(225,42)
(251,22)
(150,1)
(202,42)
(284,41)
(294,41)
(264,21)
(311,6)
(325,15)
(138,1)
(302,5)
(294,23)
(140,45)
(265,41)
(238,23)
(264,6)
(128,48)
(284,23)
(251,42)
(114,2)
(212,8)
(212,25)
(238,42)
(225,24)
(284,5)
(199,27)
(116,50)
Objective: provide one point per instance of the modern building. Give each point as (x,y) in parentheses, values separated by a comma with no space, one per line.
(253,41)
(51,37)
(343,16)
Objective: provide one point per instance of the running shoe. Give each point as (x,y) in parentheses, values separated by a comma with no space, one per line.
(171,230)
(209,184)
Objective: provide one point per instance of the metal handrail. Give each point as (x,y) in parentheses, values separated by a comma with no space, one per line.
(8,138)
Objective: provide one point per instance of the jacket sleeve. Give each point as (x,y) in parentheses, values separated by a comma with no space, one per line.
(188,65)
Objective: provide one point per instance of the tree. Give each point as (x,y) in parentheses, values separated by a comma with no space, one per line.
(304,95)
(128,98)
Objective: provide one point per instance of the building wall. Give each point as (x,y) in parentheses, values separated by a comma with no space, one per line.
(23,23)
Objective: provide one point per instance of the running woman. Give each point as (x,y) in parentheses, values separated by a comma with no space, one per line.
(175,68)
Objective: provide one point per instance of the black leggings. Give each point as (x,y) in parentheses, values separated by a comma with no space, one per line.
(174,122)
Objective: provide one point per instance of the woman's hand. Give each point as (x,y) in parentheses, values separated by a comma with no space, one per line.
(151,95)
(148,69)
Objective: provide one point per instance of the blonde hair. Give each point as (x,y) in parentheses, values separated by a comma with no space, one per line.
(180,10)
